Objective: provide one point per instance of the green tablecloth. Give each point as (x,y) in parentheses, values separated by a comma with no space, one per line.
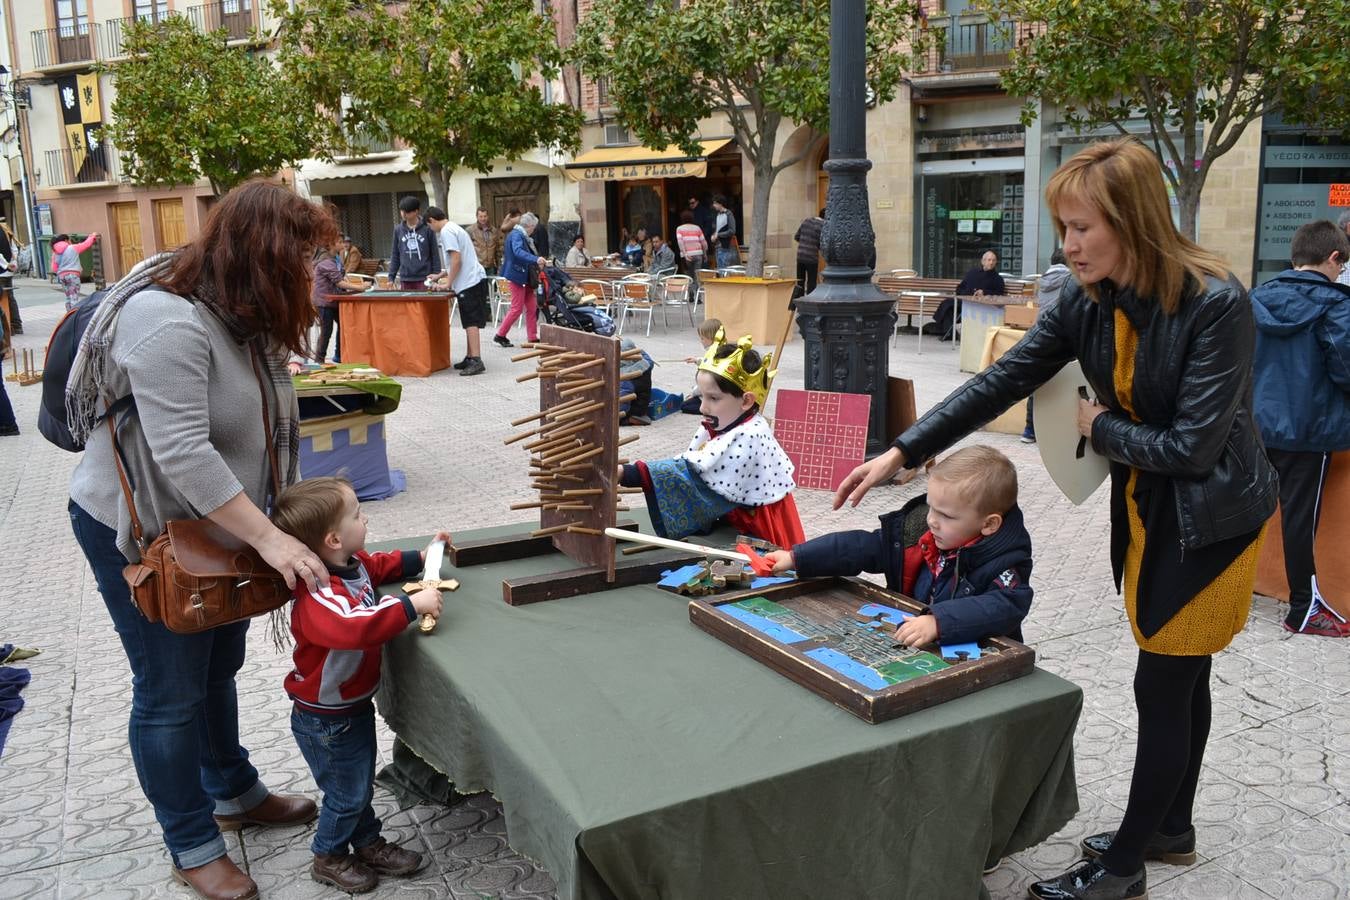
(385,393)
(637,756)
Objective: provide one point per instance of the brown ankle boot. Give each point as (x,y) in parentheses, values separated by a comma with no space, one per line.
(276,810)
(220,879)
(344,872)
(390,859)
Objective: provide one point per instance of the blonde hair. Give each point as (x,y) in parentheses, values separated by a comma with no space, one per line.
(982,476)
(1122,180)
(310,510)
(707,329)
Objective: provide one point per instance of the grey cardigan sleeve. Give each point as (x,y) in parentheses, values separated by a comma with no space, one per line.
(174,414)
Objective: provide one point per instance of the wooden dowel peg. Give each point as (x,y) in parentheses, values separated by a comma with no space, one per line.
(619,507)
(581,410)
(630,490)
(584,492)
(587,455)
(582,388)
(531,354)
(581,367)
(638,548)
(551,348)
(585,451)
(562,507)
(532,505)
(628,398)
(552,529)
(581,529)
(628,440)
(632,354)
(523,435)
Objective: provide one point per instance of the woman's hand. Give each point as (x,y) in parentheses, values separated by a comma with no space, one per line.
(868,475)
(292,559)
(294,367)
(1088,411)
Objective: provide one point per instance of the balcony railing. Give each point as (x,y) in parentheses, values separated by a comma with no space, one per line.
(66,45)
(98,166)
(239,18)
(114,31)
(969,43)
(363,143)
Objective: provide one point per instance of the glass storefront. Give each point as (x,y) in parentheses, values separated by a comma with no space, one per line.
(966,214)
(1302,179)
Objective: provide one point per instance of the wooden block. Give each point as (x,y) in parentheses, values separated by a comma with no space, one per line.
(900,409)
(573,583)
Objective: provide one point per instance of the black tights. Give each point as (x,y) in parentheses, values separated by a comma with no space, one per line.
(1172,696)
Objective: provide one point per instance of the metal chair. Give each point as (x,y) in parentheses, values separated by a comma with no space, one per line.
(903,273)
(633,295)
(675,292)
(499,295)
(599,289)
(773,271)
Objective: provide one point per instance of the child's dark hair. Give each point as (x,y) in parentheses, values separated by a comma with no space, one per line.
(61,237)
(309,510)
(750,362)
(409,204)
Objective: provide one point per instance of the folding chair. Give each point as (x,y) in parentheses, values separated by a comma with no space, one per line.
(633,295)
(675,292)
(599,289)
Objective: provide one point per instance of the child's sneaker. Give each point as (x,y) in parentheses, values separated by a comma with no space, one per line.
(390,859)
(1321,623)
(1028,435)
(1175,851)
(344,872)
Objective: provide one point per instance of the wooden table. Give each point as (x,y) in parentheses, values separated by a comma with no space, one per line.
(1333,564)
(754,306)
(397,332)
(978,314)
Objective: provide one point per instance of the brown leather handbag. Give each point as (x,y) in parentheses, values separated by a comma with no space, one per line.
(196,575)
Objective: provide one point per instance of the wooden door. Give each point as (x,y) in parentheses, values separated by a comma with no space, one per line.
(235,16)
(169,226)
(127,224)
(527,194)
(642,204)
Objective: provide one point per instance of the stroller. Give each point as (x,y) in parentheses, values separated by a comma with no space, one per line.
(560,306)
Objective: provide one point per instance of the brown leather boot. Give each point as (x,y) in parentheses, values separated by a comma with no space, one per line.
(344,872)
(390,859)
(220,879)
(275,810)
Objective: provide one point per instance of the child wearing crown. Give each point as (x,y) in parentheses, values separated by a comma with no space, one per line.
(734,468)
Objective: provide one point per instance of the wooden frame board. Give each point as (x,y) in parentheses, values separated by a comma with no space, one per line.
(575,582)
(485,551)
(820,599)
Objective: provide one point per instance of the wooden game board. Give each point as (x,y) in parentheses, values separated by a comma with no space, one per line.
(823,433)
(812,633)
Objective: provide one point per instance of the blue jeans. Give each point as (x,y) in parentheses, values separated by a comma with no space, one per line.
(184,730)
(340,751)
(727,257)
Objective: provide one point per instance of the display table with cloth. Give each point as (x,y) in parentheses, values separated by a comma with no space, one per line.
(998,341)
(342,430)
(1333,531)
(397,332)
(754,306)
(637,756)
(978,314)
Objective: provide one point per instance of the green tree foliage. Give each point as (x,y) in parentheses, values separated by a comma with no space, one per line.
(456,80)
(761,62)
(188,106)
(1187,67)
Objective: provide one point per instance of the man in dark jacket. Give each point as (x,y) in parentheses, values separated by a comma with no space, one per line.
(416,255)
(1301,394)
(981,281)
(808,252)
(952,548)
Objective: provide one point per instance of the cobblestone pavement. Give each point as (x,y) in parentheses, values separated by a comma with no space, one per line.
(1274,806)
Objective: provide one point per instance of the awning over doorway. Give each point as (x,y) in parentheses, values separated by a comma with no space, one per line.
(634,163)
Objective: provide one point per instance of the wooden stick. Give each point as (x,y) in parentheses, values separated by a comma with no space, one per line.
(577,454)
(587,492)
(777,361)
(580,367)
(516,423)
(524,434)
(553,457)
(639,548)
(619,507)
(633,354)
(581,529)
(582,388)
(628,490)
(552,529)
(552,348)
(568,506)
(653,540)
(560,437)
(628,398)
(581,410)
(532,505)
(531,354)
(628,440)
(587,455)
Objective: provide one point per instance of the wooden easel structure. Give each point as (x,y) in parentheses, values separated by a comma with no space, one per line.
(30,374)
(573,442)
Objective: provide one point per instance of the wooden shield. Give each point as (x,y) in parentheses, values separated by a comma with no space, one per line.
(1067,455)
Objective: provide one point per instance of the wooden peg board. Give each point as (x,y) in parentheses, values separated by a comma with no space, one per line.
(578,376)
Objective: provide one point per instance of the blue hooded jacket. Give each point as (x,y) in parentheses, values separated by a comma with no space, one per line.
(1301,384)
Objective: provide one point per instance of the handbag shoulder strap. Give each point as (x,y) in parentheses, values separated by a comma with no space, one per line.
(137,532)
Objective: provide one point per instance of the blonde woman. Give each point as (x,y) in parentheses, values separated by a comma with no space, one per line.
(1165,337)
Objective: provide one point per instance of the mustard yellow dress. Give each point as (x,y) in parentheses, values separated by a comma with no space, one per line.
(1207,623)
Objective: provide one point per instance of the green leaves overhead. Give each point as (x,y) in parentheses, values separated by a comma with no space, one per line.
(1183,65)
(188,106)
(457,80)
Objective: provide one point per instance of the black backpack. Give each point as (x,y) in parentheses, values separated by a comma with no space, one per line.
(61,350)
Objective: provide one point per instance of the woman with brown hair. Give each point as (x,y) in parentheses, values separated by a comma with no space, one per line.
(180,357)
(1165,336)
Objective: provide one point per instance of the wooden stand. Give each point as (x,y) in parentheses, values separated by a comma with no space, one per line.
(29,374)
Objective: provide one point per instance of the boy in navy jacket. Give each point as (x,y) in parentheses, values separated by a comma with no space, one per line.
(339,632)
(962,548)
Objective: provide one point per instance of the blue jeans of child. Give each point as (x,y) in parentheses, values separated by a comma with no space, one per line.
(340,751)
(727,258)
(184,730)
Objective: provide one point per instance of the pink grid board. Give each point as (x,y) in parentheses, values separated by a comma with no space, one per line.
(825,434)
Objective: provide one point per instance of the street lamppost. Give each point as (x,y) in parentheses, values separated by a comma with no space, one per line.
(9,96)
(847,321)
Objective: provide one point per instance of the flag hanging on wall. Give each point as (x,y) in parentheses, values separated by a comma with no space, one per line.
(82,117)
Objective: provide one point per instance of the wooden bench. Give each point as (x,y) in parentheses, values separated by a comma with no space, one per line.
(369,267)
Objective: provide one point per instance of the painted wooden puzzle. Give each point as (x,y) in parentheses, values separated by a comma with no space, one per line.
(834,636)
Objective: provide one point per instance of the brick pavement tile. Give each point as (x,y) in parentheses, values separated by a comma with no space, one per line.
(1305,860)
(1293,770)
(1207,881)
(1009,881)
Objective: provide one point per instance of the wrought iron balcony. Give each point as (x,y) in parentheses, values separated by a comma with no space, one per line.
(239,18)
(65,167)
(66,45)
(114,31)
(972,43)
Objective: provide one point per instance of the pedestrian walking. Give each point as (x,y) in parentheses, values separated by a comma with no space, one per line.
(808,252)
(66,265)
(520,268)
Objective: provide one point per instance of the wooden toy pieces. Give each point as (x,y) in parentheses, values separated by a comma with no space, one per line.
(29,374)
(574,447)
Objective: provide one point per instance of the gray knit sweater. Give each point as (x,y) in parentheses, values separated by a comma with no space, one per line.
(196,436)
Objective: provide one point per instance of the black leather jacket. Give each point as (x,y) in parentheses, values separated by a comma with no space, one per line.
(1192,393)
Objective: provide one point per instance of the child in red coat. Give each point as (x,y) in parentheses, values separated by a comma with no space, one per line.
(339,631)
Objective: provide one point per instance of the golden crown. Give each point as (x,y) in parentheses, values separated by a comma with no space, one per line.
(731,368)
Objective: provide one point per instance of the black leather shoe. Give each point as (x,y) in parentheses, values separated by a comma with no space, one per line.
(501,341)
(1175,851)
(1089,880)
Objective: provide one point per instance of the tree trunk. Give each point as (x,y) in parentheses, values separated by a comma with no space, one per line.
(1189,186)
(758,233)
(440,184)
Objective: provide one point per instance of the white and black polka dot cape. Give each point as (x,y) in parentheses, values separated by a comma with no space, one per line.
(746,465)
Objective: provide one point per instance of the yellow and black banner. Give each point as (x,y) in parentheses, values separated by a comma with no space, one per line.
(82,116)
